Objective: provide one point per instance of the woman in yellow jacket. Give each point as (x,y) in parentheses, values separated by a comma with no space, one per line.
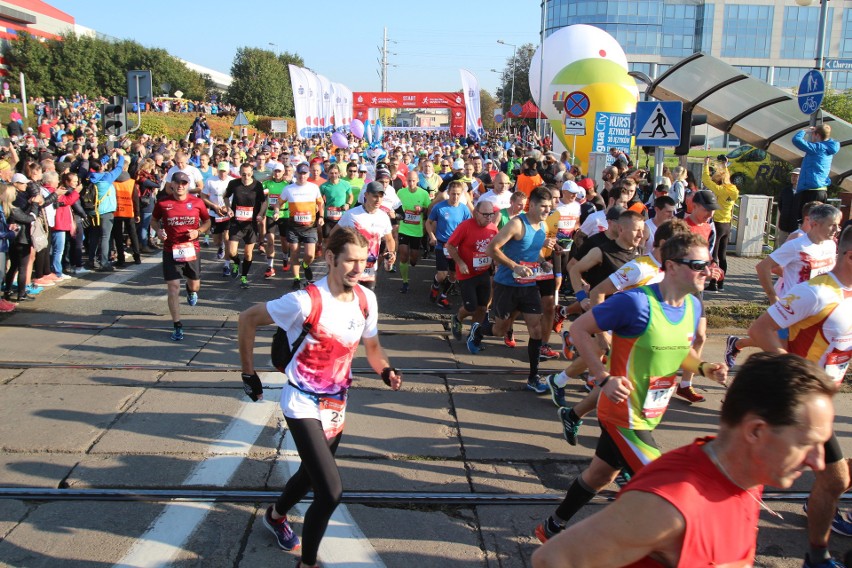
(726,194)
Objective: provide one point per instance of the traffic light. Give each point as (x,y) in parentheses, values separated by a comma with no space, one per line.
(114,117)
(688,139)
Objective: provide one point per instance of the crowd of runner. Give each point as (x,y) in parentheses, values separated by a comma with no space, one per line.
(608,276)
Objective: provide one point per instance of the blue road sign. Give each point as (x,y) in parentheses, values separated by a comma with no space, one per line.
(516,109)
(811,91)
(498,118)
(658,123)
(577,104)
(838,64)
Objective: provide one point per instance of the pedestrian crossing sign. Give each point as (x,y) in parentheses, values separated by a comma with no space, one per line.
(658,123)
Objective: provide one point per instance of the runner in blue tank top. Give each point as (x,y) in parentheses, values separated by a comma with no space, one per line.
(517,251)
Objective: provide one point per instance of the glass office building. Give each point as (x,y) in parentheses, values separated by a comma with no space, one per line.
(773,40)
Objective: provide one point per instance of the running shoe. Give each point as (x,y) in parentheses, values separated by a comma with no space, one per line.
(623,478)
(192,298)
(546,353)
(558,319)
(80,270)
(309,274)
(235,270)
(297,284)
(7,306)
(456,327)
(433,294)
(404,288)
(509,339)
(537,385)
(841,524)
(830,563)
(220,254)
(206,241)
(284,535)
(471,339)
(226,271)
(570,428)
(270,272)
(64,277)
(244,282)
(545,531)
(588,382)
(567,347)
(557,393)
(34,290)
(286,265)
(688,393)
(177,334)
(44,282)
(443,302)
(731,351)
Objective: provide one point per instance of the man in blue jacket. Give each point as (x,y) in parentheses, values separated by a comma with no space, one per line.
(107,204)
(816,165)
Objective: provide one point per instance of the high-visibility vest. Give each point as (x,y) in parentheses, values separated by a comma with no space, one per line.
(124,198)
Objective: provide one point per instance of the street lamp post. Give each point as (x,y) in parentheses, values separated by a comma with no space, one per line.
(819,59)
(502,80)
(514,65)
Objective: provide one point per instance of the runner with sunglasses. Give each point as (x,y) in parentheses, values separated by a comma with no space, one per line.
(652,331)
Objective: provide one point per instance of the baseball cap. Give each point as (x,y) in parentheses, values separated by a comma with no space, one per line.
(303,168)
(180,177)
(614,213)
(796,171)
(382,172)
(586,183)
(266,149)
(353,157)
(20,178)
(278,167)
(223,166)
(572,187)
(706,199)
(362,168)
(375,187)
(458,164)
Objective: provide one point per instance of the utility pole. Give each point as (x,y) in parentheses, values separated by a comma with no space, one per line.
(383,62)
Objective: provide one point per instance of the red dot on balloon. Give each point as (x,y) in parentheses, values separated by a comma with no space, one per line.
(602,53)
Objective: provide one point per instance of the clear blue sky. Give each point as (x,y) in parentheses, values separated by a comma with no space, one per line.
(335,38)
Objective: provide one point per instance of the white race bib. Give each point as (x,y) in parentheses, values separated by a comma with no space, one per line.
(244,214)
(184,252)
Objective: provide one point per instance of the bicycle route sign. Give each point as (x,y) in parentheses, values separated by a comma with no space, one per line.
(811,92)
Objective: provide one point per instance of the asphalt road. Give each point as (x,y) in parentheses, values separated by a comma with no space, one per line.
(456,469)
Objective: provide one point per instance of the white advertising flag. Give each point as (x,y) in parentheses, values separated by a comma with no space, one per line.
(299,82)
(473,118)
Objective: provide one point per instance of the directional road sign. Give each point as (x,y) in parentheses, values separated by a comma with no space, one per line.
(811,91)
(658,123)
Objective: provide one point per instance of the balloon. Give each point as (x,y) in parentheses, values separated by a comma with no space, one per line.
(357,128)
(588,60)
(368,132)
(339,140)
(380,131)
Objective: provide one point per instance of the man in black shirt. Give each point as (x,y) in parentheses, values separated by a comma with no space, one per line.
(248,207)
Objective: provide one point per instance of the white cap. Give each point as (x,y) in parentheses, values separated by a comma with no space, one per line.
(571,186)
(458,164)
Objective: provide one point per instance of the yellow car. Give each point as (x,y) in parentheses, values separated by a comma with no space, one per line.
(749,163)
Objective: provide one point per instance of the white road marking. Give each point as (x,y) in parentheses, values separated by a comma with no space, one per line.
(344,545)
(166,536)
(108,281)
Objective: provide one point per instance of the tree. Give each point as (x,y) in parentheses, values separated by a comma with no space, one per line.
(520,70)
(261,82)
(27,55)
(839,104)
(487,104)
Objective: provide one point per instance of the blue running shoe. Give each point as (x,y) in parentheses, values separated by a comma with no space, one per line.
(570,428)
(731,351)
(830,563)
(192,298)
(34,290)
(537,385)
(841,523)
(284,535)
(177,334)
(557,393)
(471,339)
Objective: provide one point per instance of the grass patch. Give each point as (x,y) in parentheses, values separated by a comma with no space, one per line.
(739,314)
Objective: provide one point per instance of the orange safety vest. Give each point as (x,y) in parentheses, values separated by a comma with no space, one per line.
(124,198)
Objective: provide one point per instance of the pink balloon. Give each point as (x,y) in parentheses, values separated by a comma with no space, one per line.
(357,128)
(339,140)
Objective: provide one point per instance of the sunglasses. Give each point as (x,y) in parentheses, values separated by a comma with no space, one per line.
(696,265)
(351,171)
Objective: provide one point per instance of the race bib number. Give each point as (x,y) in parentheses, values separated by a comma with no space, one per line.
(223,218)
(412,217)
(244,214)
(369,273)
(481,261)
(332,415)
(333,213)
(303,219)
(566,223)
(273,200)
(534,267)
(184,252)
(660,391)
(836,365)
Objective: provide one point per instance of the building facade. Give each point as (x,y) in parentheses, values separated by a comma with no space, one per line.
(772,40)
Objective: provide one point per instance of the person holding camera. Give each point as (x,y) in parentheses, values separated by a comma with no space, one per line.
(819,151)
